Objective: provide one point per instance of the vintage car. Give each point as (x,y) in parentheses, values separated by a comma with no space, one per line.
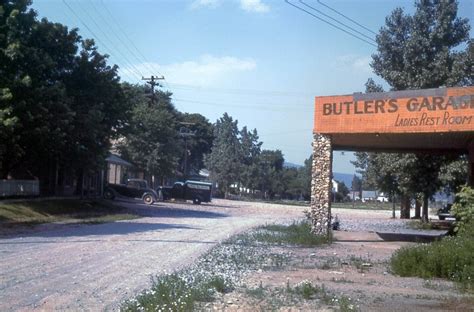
(134,188)
(445,212)
(196,191)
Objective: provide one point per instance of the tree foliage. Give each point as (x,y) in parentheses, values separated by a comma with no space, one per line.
(195,145)
(423,50)
(151,137)
(224,160)
(60,103)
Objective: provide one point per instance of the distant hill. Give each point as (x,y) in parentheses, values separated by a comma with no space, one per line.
(291,165)
(344,177)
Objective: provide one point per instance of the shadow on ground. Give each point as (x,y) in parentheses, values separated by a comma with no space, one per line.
(160,210)
(81,230)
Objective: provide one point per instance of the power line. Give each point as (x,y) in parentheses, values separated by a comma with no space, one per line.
(350,19)
(113,32)
(329,23)
(136,70)
(131,43)
(241,91)
(253,107)
(88,28)
(341,23)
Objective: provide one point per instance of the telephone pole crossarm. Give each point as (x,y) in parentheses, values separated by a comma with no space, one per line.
(153,81)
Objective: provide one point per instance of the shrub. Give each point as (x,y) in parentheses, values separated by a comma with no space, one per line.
(450,258)
(463,210)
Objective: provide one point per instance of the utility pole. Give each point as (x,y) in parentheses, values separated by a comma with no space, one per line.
(185,132)
(152,81)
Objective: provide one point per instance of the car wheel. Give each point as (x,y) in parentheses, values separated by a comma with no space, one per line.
(148,199)
(108,194)
(197,201)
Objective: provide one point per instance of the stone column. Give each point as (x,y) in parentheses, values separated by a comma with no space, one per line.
(471,164)
(321,184)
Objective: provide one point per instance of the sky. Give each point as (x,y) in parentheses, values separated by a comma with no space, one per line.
(261,61)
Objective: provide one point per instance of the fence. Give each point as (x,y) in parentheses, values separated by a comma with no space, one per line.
(19,188)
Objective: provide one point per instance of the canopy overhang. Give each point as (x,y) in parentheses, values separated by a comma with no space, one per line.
(432,120)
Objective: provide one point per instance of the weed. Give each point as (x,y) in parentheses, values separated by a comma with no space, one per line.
(307,290)
(346,304)
(257,292)
(219,284)
(362,264)
(329,263)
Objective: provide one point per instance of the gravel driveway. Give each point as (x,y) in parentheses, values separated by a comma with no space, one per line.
(95,267)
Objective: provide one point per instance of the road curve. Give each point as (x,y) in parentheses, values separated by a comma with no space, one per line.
(95,267)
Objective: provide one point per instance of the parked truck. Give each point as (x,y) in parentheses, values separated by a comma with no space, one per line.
(197,191)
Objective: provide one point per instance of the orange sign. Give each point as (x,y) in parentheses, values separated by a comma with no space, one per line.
(429,110)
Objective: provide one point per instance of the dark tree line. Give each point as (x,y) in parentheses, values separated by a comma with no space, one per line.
(240,167)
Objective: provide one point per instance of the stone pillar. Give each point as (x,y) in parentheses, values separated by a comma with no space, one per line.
(471,164)
(321,184)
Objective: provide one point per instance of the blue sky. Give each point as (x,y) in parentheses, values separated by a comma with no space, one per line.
(261,61)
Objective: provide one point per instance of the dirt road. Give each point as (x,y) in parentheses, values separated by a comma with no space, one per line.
(95,267)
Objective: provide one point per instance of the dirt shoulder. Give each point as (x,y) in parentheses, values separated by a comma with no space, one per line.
(354,268)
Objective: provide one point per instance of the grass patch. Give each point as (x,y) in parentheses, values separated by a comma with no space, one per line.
(298,233)
(363,206)
(61,210)
(451,258)
(418,225)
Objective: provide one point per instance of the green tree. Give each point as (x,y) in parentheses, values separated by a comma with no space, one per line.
(35,57)
(356,185)
(271,167)
(250,152)
(196,137)
(60,103)
(305,175)
(151,139)
(415,52)
(224,160)
(422,50)
(342,192)
(100,111)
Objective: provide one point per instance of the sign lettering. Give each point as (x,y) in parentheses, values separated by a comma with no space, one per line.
(432,110)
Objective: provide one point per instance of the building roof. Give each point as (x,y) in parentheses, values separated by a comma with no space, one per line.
(115,159)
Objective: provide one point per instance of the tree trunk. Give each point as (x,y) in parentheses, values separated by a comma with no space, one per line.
(417,208)
(393,205)
(424,218)
(405,207)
